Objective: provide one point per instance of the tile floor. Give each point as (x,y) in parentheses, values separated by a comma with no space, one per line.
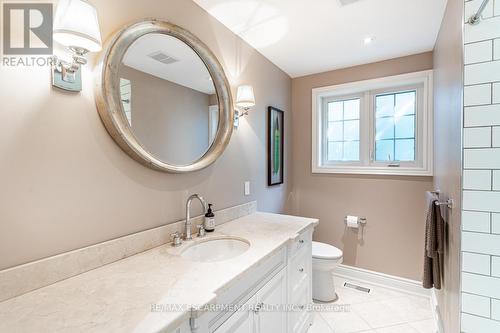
(381,311)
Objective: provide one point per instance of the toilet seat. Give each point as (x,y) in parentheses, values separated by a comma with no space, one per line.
(325,251)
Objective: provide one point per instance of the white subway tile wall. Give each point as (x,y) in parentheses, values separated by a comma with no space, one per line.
(485,115)
(481,174)
(488,29)
(495,223)
(495,141)
(495,266)
(481,243)
(478,305)
(495,309)
(482,201)
(482,158)
(472,6)
(481,285)
(478,95)
(496,92)
(478,52)
(477,137)
(477,180)
(496,49)
(472,323)
(476,221)
(496,180)
(482,72)
(476,263)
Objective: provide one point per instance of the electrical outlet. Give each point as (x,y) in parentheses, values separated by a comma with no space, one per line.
(247,188)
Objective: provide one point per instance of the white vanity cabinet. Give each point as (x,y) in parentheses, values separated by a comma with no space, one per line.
(253,317)
(185,328)
(274,297)
(272,294)
(299,269)
(240,322)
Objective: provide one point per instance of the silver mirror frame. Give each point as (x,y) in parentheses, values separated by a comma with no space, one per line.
(109,104)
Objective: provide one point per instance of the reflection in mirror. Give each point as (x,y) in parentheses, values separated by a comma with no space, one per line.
(126,96)
(168,98)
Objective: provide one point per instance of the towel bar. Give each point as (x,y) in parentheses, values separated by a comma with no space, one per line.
(448,203)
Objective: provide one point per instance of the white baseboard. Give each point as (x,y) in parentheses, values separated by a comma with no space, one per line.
(384,280)
(393,282)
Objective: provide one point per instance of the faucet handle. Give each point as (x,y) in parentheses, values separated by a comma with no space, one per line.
(201,230)
(176,239)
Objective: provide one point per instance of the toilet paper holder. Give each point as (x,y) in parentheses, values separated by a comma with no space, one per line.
(361,220)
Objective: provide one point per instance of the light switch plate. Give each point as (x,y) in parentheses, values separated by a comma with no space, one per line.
(247,188)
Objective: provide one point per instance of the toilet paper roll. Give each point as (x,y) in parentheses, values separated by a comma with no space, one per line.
(352,221)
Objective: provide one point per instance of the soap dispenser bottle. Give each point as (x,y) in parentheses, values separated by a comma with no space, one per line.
(209,224)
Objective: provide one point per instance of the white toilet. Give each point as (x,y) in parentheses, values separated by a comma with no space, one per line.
(325,259)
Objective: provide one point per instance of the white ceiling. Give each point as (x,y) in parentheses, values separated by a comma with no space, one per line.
(189,71)
(311,36)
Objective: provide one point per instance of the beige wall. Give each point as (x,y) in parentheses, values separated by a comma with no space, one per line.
(448,69)
(170,120)
(65,183)
(394,206)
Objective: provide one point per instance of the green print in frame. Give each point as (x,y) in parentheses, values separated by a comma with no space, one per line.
(275,150)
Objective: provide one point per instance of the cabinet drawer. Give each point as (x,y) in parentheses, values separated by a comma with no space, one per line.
(185,328)
(300,242)
(299,318)
(299,271)
(240,322)
(246,287)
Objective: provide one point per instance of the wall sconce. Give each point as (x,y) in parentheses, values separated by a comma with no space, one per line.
(245,100)
(76,26)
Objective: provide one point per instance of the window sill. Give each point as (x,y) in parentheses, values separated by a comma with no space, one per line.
(397,171)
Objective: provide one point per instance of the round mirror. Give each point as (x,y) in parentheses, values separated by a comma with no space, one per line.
(164,97)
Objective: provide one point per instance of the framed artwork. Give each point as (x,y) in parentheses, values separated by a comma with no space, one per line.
(275,148)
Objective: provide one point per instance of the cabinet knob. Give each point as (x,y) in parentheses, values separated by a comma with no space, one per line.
(301,270)
(301,241)
(258,307)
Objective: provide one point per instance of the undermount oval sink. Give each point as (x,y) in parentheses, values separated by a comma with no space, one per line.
(216,249)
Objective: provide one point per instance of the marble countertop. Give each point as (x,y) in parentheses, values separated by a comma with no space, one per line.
(119,297)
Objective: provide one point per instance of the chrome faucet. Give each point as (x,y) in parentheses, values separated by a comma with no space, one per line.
(188,218)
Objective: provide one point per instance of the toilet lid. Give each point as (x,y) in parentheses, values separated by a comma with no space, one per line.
(325,251)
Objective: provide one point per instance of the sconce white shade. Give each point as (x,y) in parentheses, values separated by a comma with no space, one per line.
(76,25)
(245,98)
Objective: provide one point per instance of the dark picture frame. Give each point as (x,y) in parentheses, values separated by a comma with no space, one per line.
(275,146)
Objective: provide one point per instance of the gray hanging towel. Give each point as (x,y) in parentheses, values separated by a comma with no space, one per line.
(434,238)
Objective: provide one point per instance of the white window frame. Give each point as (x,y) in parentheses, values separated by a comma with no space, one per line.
(324,114)
(420,81)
